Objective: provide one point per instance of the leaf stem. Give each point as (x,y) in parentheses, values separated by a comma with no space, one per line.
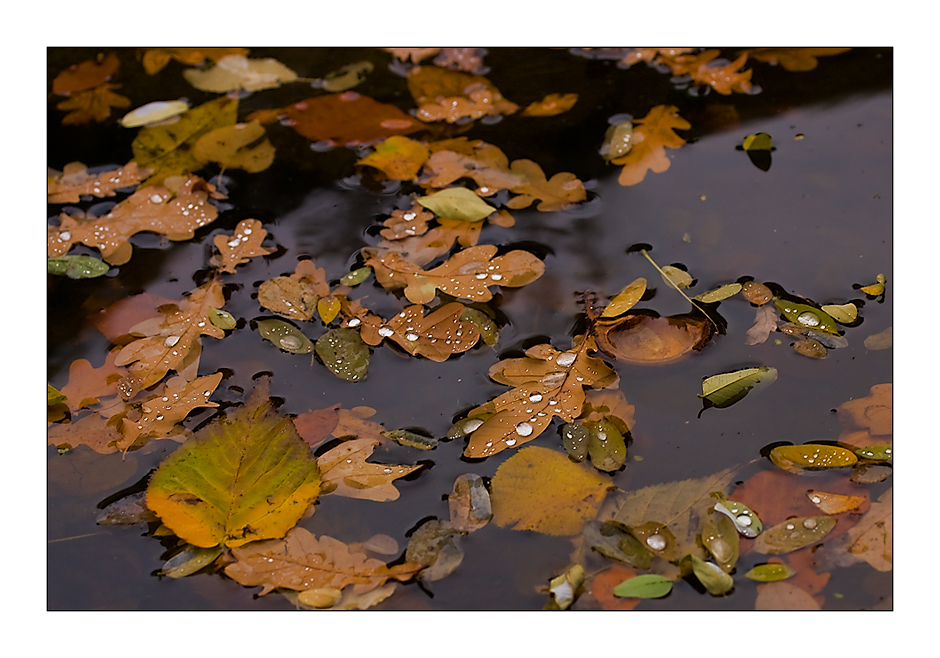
(678,289)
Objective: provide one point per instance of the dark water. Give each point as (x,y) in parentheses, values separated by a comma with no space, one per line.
(816,222)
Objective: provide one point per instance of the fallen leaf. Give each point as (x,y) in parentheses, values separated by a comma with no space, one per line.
(446,95)
(551,105)
(436,336)
(875,289)
(603,584)
(398,157)
(618,140)
(542,490)
(873,412)
(720,293)
(651,136)
(769,573)
(796,458)
(87,384)
(565,588)
(171,342)
(880,341)
(833,503)
(436,545)
(869,541)
(153,113)
(784,596)
(469,503)
(115,321)
(765,323)
(347,473)
(756,293)
(546,383)
(794,534)
(462,59)
(317,425)
(86,75)
(344,353)
(676,277)
(175,211)
(235,147)
(78,267)
(344,119)
(793,59)
(295,296)
(457,158)
(758,142)
(246,476)
(168,149)
(468,274)
(285,336)
(92,105)
(347,77)
(457,203)
(238,248)
(727,388)
(626,299)
(302,562)
(647,340)
(842,313)
(704,69)
(806,316)
(238,72)
(154,59)
(75,181)
(561,191)
(412,54)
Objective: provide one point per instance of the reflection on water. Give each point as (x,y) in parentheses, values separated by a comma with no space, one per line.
(816,222)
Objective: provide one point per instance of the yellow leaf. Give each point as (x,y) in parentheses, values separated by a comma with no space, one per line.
(875,289)
(758,142)
(842,313)
(551,105)
(542,490)
(328,308)
(398,157)
(626,299)
(832,503)
(795,458)
(238,72)
(231,147)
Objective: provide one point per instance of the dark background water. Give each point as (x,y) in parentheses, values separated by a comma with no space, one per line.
(819,220)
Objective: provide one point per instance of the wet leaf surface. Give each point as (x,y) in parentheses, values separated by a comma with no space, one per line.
(727,388)
(652,135)
(343,352)
(74,181)
(347,473)
(285,336)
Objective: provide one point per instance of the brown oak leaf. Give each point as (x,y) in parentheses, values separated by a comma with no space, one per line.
(87,384)
(436,336)
(175,210)
(467,274)
(301,561)
(94,430)
(483,163)
(171,342)
(446,95)
(345,472)
(701,68)
(560,191)
(154,59)
(651,136)
(75,181)
(92,105)
(239,247)
(87,75)
(295,296)
(546,383)
(793,59)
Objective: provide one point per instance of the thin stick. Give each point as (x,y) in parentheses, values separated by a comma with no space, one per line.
(92,534)
(678,289)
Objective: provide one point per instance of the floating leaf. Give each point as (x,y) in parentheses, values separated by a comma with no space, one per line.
(756,293)
(551,105)
(238,72)
(765,323)
(171,342)
(557,193)
(242,245)
(190,560)
(651,136)
(727,388)
(244,477)
(881,452)
(87,384)
(153,113)
(485,164)
(302,562)
(356,277)
(86,75)
(92,105)
(285,335)
(793,59)
(872,412)
(769,573)
(875,289)
(542,490)
(794,534)
(468,274)
(75,182)
(796,458)
(758,142)
(806,316)
(832,503)
(295,296)
(436,336)
(564,588)
(236,147)
(647,586)
(347,473)
(78,267)
(715,580)
(575,438)
(842,313)
(870,541)
(606,445)
(343,352)
(436,545)
(547,383)
(445,95)
(222,319)
(704,70)
(745,520)
(399,158)
(54,397)
(469,503)
(720,293)
(176,212)
(489,332)
(648,340)
(348,76)
(720,538)
(618,140)
(676,277)
(626,299)
(458,203)
(168,149)
(412,439)
(154,59)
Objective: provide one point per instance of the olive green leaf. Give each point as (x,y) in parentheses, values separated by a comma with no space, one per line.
(190,560)
(806,316)
(78,267)
(727,388)
(55,397)
(342,351)
(768,573)
(715,580)
(606,445)
(457,203)
(796,458)
(222,319)
(647,586)
(720,293)
(794,534)
(842,313)
(347,76)
(244,477)
(356,277)
(285,335)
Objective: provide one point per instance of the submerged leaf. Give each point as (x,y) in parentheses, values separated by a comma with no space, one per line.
(727,388)
(246,476)
(648,340)
(551,105)
(765,323)
(92,105)
(542,490)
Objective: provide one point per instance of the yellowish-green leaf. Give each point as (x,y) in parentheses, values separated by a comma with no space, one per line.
(715,580)
(244,477)
(806,316)
(677,277)
(233,147)
(626,299)
(401,158)
(758,142)
(457,203)
(794,534)
(238,72)
(153,112)
(876,289)
(348,76)
(356,277)
(811,455)
(645,586)
(542,490)
(768,573)
(720,293)
(222,319)
(55,397)
(727,388)
(842,313)
(285,335)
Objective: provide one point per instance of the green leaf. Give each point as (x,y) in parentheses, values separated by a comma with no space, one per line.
(457,203)
(720,538)
(758,142)
(806,316)
(881,452)
(244,477)
(222,319)
(745,520)
(647,586)
(794,534)
(356,277)
(190,560)
(606,446)
(576,437)
(727,388)
(342,351)
(769,573)
(489,332)
(285,335)
(55,397)
(718,294)
(78,267)
(712,577)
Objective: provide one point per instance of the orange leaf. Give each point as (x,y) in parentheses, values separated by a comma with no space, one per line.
(87,75)
(551,105)
(295,296)
(436,336)
(75,181)
(239,247)
(115,322)
(346,472)
(651,136)
(872,412)
(92,105)
(87,384)
(559,192)
(155,59)
(602,588)
(445,95)
(793,59)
